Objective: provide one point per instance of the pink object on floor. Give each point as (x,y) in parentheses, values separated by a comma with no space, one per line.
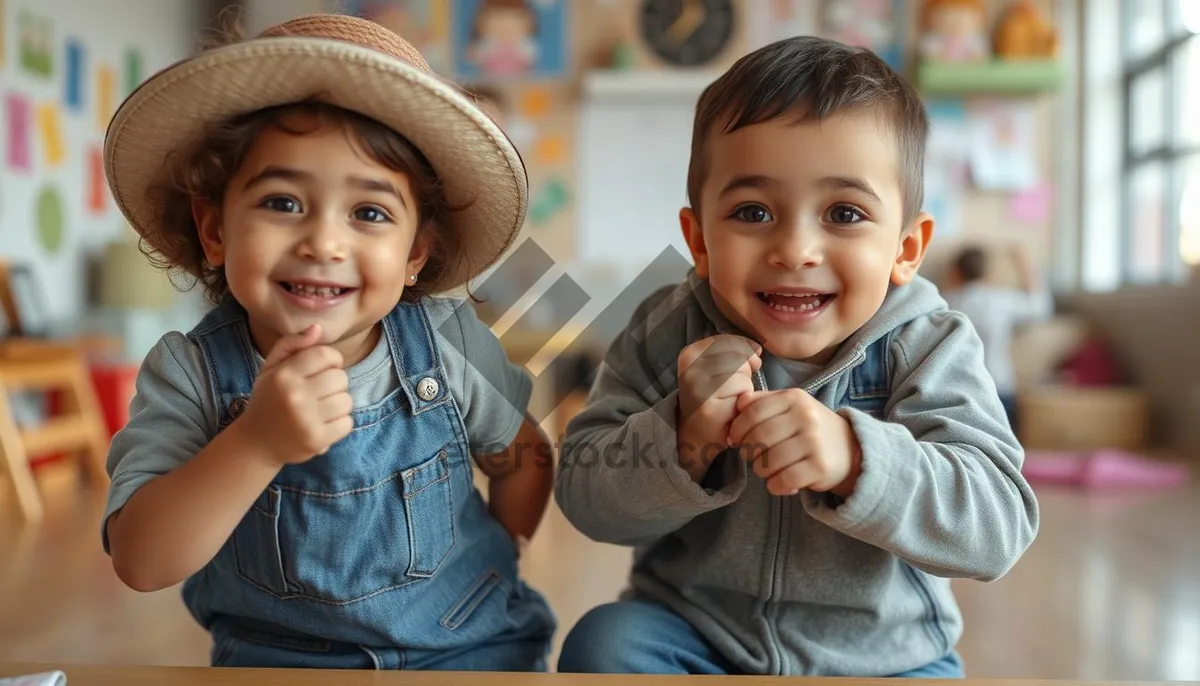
(1102,469)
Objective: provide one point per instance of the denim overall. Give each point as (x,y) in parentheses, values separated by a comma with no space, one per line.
(377,554)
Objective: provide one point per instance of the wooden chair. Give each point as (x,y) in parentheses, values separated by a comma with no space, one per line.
(78,430)
(29,364)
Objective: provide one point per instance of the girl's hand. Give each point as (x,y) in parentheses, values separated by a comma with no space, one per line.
(300,405)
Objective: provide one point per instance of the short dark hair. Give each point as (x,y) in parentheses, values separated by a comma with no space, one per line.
(812,78)
(971,264)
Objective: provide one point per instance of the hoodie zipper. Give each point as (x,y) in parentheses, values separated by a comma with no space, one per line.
(781,505)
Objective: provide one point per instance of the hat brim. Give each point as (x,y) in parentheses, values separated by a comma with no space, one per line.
(477,164)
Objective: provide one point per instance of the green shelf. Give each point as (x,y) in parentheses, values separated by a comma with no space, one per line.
(995,76)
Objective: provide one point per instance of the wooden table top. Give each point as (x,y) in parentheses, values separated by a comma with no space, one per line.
(88,675)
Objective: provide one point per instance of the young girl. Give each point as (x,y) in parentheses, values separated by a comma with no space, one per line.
(301,459)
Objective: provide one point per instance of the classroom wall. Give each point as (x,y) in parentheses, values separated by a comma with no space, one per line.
(84,56)
(541,114)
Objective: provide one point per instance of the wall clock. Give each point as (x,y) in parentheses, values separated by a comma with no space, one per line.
(687,32)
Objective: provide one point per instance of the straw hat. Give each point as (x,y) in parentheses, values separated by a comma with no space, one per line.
(346,61)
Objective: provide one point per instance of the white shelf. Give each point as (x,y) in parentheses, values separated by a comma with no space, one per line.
(646,85)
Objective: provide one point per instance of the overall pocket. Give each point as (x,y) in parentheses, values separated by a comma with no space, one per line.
(345,546)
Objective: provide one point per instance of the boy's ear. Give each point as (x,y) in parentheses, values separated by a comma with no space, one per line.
(690,225)
(208,226)
(914,242)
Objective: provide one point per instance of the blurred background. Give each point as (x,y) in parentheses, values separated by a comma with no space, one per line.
(1065,153)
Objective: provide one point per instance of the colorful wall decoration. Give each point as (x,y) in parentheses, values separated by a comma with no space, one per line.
(64,71)
(424,23)
(510,39)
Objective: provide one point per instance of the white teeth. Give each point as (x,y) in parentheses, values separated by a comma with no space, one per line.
(803,308)
(315,292)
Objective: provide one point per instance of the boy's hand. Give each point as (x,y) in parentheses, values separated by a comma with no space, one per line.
(797,443)
(713,373)
(300,405)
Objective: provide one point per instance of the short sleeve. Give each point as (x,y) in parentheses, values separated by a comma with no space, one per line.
(492,392)
(170,421)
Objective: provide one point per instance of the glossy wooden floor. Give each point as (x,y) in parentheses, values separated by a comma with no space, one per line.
(1110,591)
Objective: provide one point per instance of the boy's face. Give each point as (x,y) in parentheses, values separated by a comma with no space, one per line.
(313,231)
(801,230)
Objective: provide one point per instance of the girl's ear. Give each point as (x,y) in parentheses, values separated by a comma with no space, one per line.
(210,230)
(422,249)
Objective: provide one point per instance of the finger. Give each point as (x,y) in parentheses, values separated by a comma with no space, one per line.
(761,407)
(717,345)
(334,407)
(327,383)
(313,361)
(711,375)
(794,478)
(339,428)
(782,457)
(286,346)
(771,434)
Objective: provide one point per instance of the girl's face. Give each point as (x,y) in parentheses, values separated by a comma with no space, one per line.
(313,231)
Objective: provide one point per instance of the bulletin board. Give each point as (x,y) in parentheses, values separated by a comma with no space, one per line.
(62,75)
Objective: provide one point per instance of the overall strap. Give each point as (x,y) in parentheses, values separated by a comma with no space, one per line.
(223,336)
(418,363)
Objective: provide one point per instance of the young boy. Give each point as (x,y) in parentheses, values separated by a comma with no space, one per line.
(801,440)
(996,311)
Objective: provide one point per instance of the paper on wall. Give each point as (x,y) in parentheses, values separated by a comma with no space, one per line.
(1002,151)
(946,166)
(51,129)
(18,135)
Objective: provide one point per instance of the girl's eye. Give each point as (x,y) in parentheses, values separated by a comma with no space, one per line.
(372,215)
(845,214)
(752,214)
(281,203)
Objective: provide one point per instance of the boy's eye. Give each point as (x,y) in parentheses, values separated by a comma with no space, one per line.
(281,204)
(845,214)
(753,214)
(373,215)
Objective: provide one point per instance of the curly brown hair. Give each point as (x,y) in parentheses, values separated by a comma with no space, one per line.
(203,173)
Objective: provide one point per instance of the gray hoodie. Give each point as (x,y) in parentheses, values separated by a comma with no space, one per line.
(808,584)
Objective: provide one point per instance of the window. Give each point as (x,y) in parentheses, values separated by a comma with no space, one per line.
(1160,179)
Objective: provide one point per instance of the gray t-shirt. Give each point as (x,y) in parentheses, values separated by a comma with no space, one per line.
(173,414)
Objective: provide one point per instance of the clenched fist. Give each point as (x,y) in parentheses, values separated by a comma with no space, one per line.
(300,405)
(797,443)
(713,373)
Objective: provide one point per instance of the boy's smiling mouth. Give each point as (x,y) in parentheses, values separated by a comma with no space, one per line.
(795,300)
(794,306)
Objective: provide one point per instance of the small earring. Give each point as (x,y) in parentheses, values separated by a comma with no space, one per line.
(412,277)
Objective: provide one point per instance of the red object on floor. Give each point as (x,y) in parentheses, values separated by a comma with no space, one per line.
(114,388)
(1092,364)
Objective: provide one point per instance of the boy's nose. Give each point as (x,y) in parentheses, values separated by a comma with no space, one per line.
(796,247)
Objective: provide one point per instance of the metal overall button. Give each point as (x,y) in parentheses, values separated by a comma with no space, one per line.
(236,407)
(427,388)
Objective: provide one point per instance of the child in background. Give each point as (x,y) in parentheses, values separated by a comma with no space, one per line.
(996,311)
(301,459)
(800,440)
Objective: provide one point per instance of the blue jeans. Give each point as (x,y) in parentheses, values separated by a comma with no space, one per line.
(631,637)
(254,649)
